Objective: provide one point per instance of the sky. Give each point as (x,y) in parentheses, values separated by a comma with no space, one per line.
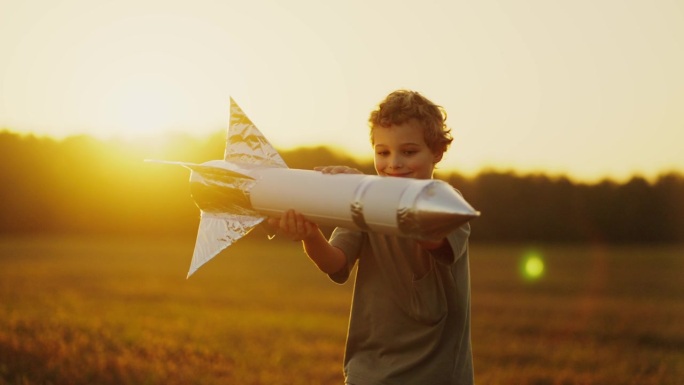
(585,88)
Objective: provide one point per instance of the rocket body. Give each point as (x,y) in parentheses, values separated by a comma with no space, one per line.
(325,199)
(422,209)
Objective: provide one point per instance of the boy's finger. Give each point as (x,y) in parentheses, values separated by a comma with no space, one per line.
(284,221)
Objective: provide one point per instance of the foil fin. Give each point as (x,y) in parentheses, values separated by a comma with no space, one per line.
(227,218)
(220,188)
(216,232)
(245,144)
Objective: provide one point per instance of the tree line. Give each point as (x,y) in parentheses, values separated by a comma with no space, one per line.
(81,185)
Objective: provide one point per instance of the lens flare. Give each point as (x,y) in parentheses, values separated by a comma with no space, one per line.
(532,266)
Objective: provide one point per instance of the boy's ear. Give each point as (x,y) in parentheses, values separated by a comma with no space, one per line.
(437,158)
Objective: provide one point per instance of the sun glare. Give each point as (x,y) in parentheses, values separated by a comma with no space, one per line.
(140,106)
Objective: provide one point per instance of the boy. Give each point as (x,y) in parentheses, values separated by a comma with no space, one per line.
(410,317)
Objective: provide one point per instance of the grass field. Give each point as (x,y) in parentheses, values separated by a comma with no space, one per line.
(120,311)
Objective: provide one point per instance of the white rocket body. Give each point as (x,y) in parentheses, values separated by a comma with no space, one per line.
(422,209)
(323,199)
(252,183)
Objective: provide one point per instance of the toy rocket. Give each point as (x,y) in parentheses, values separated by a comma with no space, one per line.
(253,182)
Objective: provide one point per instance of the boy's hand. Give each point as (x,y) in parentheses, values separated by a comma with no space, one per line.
(294,225)
(337,170)
(432,244)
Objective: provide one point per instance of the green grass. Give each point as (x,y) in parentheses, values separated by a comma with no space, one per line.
(120,311)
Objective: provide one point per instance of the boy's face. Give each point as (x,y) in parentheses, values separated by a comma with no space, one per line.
(400,150)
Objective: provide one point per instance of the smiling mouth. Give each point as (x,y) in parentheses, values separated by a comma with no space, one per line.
(399,175)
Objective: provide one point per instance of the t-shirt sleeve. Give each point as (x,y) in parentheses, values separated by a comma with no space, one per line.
(350,242)
(458,246)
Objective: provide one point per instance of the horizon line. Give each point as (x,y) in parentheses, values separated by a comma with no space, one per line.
(367,159)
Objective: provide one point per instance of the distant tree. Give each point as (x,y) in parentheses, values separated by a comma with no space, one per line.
(668,206)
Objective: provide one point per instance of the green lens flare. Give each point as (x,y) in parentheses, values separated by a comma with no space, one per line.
(532,265)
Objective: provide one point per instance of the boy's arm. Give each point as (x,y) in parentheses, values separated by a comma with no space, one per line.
(433,244)
(295,226)
(451,248)
(328,258)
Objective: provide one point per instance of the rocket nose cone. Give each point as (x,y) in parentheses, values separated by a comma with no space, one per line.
(437,209)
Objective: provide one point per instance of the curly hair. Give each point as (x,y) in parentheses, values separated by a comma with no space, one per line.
(402,106)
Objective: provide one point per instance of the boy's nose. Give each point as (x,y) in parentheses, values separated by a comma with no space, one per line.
(395,163)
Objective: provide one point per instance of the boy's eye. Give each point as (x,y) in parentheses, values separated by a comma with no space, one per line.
(383,153)
(410,152)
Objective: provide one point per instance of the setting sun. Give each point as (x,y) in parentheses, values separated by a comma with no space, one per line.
(139,105)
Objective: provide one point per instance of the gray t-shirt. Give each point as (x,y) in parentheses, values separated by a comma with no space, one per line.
(410,317)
